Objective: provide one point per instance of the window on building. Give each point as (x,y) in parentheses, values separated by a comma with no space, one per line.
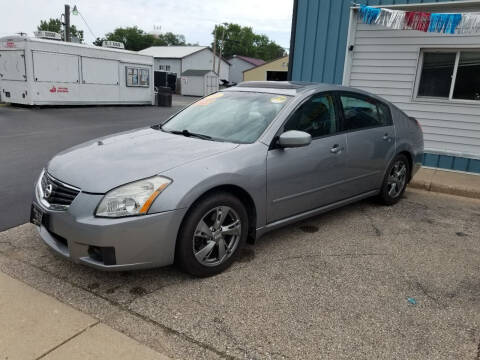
(137,76)
(452,75)
(167,67)
(363,112)
(161,67)
(315,116)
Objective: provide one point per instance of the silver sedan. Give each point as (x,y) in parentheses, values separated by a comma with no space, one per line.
(222,172)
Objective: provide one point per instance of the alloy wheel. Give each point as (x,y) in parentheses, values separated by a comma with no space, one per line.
(217,236)
(397,179)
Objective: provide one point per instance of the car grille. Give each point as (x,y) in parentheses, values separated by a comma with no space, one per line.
(57,194)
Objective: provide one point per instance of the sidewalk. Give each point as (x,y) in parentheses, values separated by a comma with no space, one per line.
(448,182)
(37,326)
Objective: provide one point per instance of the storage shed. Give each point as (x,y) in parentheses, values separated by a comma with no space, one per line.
(48,72)
(434,77)
(199,82)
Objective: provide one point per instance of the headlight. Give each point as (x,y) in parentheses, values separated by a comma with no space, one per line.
(132,199)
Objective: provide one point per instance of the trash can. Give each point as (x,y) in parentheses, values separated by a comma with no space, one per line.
(164,96)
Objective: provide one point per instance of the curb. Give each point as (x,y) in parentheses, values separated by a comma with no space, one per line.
(447,182)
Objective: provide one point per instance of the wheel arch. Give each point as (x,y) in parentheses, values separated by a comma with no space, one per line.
(240,193)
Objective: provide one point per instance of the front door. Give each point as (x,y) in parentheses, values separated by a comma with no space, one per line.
(371,140)
(305,178)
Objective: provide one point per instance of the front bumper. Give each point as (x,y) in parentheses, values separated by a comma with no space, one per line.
(138,242)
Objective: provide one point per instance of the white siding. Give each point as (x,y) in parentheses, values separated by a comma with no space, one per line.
(202,60)
(237,67)
(384,62)
(175,65)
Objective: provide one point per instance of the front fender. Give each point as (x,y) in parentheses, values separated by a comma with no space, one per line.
(244,167)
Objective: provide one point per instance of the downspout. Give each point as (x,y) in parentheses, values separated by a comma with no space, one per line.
(292,40)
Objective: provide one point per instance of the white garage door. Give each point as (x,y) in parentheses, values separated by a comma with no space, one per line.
(53,67)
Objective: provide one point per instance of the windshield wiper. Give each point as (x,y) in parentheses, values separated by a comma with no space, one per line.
(190,134)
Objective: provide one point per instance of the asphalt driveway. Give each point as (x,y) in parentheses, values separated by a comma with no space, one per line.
(362,282)
(29,137)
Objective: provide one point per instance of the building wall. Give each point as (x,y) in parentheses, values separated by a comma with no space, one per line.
(385,62)
(175,64)
(259,73)
(202,60)
(320,37)
(237,67)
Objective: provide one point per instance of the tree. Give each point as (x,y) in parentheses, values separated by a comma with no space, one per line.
(57,26)
(241,40)
(136,39)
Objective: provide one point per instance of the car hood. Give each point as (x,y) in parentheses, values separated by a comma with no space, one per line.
(100,165)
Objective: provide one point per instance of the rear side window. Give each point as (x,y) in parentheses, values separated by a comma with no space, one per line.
(363,112)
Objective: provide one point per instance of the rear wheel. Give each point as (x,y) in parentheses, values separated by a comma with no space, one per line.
(213,231)
(395,181)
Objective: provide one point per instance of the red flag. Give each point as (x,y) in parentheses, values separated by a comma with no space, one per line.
(416,20)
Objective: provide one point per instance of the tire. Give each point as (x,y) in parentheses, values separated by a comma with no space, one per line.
(395,180)
(207,246)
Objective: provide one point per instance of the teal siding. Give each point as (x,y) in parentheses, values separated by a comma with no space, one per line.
(321,37)
(451,163)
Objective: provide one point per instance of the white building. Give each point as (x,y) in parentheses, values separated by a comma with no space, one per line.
(47,72)
(177,59)
(199,82)
(432,77)
(238,64)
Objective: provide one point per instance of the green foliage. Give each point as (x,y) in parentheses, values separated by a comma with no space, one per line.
(241,40)
(136,39)
(56,25)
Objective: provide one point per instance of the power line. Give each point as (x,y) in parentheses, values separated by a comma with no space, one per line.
(76,11)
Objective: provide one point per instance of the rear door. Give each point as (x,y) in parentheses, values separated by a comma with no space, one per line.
(370,133)
(12,65)
(305,178)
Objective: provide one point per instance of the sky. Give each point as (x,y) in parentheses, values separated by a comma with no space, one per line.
(193,18)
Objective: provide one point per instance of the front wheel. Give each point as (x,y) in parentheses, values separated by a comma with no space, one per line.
(211,234)
(395,181)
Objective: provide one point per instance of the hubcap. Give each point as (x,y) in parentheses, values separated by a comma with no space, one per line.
(397,179)
(216,236)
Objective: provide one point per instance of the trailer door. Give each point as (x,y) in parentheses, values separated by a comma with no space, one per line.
(55,67)
(12,65)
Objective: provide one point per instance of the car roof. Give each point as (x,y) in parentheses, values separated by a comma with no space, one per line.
(291,88)
(295,88)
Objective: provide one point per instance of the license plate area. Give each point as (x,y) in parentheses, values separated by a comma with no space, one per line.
(38,217)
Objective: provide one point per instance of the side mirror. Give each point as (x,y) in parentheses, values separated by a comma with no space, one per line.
(294,138)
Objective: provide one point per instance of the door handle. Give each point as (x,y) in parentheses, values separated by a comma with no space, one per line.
(386,137)
(336,149)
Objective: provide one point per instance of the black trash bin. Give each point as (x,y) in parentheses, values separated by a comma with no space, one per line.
(164,96)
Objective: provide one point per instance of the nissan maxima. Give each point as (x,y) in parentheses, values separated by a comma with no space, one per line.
(221,172)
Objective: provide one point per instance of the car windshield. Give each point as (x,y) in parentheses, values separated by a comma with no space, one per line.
(238,117)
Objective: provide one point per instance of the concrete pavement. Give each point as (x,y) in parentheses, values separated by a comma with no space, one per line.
(334,287)
(37,326)
(447,182)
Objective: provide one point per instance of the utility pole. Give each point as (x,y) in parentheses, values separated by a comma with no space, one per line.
(214,49)
(67,23)
(220,51)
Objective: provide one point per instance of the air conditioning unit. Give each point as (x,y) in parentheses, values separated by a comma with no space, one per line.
(113,44)
(47,35)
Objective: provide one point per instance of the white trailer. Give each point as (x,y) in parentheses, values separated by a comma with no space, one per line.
(48,72)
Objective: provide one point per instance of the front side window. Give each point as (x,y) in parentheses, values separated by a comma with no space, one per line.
(363,112)
(137,77)
(233,116)
(451,75)
(315,116)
